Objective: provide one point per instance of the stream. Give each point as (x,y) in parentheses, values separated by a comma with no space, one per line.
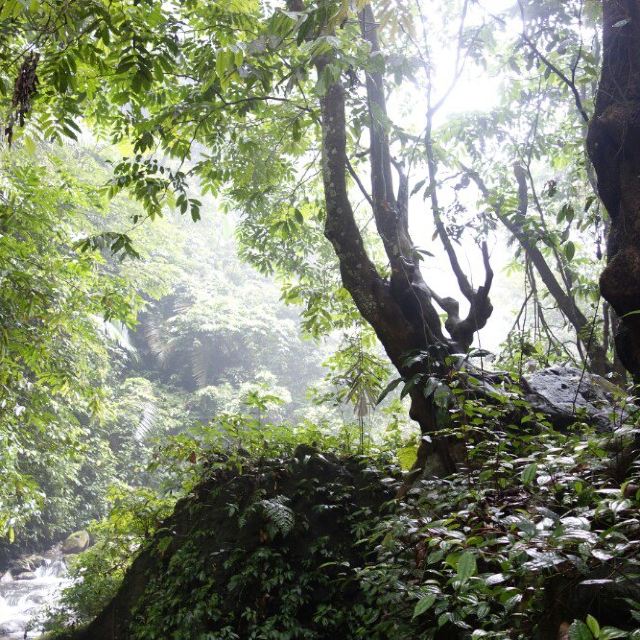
(23,598)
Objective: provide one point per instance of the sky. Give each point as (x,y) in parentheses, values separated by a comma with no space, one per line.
(478,92)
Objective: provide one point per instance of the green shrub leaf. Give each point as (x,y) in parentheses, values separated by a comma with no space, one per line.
(424,604)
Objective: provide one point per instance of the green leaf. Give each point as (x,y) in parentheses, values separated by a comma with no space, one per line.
(388,389)
(163,544)
(417,187)
(431,387)
(610,633)
(441,396)
(411,383)
(579,631)
(528,475)
(466,566)
(593,625)
(424,604)
(569,250)
(407,457)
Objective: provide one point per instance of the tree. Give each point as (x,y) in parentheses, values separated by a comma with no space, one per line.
(257,102)
(613,148)
(400,308)
(55,303)
(526,158)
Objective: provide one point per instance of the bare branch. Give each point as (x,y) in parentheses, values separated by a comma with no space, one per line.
(357,180)
(516,224)
(570,82)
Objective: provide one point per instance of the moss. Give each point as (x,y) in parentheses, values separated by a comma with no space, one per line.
(269,548)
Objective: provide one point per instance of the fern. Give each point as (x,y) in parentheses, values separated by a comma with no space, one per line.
(279,514)
(147,420)
(200,363)
(158,340)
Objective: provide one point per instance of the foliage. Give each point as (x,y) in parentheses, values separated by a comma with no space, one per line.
(275,110)
(86,394)
(202,335)
(230,91)
(536,514)
(133,515)
(54,302)
(286,548)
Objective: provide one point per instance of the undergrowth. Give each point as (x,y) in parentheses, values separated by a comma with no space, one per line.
(537,535)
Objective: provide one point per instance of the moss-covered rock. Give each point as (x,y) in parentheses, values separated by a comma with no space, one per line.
(312,548)
(76,542)
(271,548)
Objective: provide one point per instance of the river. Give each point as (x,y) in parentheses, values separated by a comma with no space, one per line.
(22,600)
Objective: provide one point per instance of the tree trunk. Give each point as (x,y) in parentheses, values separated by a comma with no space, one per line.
(614,148)
(401,308)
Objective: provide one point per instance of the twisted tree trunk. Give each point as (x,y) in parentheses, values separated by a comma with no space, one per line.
(401,308)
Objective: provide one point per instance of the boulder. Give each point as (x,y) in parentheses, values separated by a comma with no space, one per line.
(26,575)
(76,542)
(21,565)
(566,395)
(36,561)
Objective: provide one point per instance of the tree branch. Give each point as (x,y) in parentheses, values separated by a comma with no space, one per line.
(554,69)
(515,224)
(357,180)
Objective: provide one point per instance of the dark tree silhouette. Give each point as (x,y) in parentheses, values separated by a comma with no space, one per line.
(614,148)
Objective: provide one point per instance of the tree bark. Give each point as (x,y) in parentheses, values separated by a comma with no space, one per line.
(401,308)
(613,144)
(402,325)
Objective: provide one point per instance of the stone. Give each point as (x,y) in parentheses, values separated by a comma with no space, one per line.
(21,565)
(36,561)
(76,542)
(567,395)
(10,628)
(26,575)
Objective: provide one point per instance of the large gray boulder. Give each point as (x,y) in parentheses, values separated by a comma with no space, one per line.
(566,395)
(21,565)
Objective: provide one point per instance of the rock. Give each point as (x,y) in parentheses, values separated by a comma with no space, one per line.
(10,628)
(290,484)
(76,542)
(21,565)
(53,553)
(36,561)
(566,395)
(26,575)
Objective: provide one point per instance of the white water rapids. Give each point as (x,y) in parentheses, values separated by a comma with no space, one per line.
(21,601)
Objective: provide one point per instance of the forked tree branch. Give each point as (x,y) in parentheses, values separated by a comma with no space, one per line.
(516,225)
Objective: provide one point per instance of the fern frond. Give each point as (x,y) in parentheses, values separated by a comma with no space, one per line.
(147,421)
(279,514)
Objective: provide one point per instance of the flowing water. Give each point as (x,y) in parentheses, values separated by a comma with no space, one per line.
(21,601)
